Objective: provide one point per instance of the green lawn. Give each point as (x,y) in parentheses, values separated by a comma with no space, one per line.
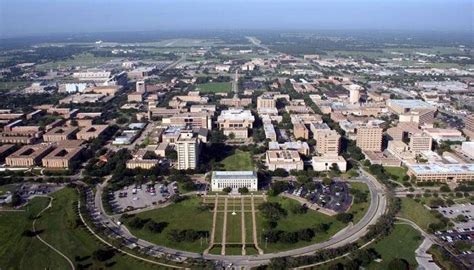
(359,209)
(180,216)
(83,59)
(401,243)
(417,213)
(215,87)
(239,161)
(60,227)
(397,172)
(293,222)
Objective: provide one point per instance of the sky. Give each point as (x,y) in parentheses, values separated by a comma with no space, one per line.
(35,17)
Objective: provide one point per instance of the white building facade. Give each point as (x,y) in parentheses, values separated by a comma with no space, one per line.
(234,180)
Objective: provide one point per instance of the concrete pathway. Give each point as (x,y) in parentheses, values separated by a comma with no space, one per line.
(254,229)
(224,228)
(243,225)
(213,230)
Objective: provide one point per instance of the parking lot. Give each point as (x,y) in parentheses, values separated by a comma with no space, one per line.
(335,197)
(141,196)
(453,211)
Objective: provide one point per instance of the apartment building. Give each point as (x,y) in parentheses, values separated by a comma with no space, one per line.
(58,134)
(284,159)
(236,122)
(29,155)
(369,138)
(187,148)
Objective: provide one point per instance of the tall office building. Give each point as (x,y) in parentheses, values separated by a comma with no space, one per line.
(420,142)
(327,142)
(187,148)
(141,87)
(369,138)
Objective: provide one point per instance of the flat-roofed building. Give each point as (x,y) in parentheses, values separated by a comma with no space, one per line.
(300,131)
(442,172)
(328,142)
(284,159)
(236,102)
(469,122)
(325,163)
(62,157)
(300,146)
(58,134)
(199,108)
(234,180)
(413,110)
(236,121)
(369,138)
(140,87)
(270,132)
(266,101)
(420,142)
(194,120)
(445,134)
(187,148)
(91,132)
(135,97)
(28,155)
(6,150)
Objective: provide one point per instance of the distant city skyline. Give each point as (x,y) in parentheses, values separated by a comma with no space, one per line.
(33,17)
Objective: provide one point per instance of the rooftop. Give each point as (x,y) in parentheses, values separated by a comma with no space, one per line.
(224,175)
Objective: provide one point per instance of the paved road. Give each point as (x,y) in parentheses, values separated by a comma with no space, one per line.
(351,234)
(235,84)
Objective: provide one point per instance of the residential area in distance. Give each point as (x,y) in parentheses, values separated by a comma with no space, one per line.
(237,150)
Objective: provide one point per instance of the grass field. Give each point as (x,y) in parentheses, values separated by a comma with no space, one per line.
(180,216)
(60,228)
(84,59)
(293,222)
(417,213)
(239,161)
(215,87)
(397,172)
(359,209)
(401,243)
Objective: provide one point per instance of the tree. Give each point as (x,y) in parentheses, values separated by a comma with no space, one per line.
(398,264)
(171,154)
(243,190)
(103,255)
(344,217)
(327,181)
(232,136)
(280,172)
(227,189)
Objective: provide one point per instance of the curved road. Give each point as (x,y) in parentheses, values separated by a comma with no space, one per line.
(377,207)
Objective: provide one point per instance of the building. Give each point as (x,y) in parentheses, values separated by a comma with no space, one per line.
(234,180)
(58,134)
(187,148)
(6,150)
(324,163)
(194,120)
(444,134)
(140,87)
(284,159)
(62,157)
(75,87)
(420,142)
(28,155)
(270,132)
(266,101)
(236,102)
(91,132)
(300,131)
(446,173)
(301,147)
(135,97)
(369,138)
(236,122)
(469,122)
(354,93)
(328,142)
(413,110)
(92,75)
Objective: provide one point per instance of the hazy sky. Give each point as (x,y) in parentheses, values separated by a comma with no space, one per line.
(25,17)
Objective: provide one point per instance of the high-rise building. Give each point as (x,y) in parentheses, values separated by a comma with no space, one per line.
(469,122)
(266,101)
(354,96)
(327,142)
(369,138)
(141,87)
(420,142)
(187,148)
